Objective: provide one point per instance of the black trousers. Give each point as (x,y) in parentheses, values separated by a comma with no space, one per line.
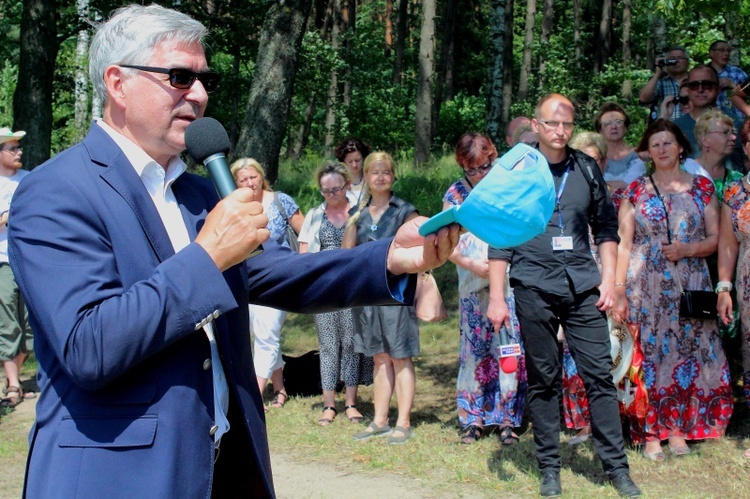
(539,315)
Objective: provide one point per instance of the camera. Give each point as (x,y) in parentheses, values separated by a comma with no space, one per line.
(682,99)
(666,62)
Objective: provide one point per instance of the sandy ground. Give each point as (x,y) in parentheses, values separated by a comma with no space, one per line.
(292,477)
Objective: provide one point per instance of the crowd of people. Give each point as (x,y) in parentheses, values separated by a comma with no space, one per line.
(635,229)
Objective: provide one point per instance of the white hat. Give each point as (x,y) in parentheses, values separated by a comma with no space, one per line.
(6,135)
(622,349)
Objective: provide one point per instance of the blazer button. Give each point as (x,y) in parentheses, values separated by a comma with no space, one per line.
(207,364)
(215,314)
(198,326)
(213,430)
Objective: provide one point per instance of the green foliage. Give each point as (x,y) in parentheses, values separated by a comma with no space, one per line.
(465,113)
(8,78)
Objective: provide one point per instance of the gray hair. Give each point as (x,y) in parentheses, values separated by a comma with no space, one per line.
(131,35)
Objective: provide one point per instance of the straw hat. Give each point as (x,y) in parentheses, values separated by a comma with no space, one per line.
(6,135)
(622,349)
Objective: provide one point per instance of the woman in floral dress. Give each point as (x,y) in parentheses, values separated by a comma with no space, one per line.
(486,396)
(669,223)
(734,242)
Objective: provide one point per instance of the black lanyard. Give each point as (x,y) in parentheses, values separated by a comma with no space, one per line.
(666,213)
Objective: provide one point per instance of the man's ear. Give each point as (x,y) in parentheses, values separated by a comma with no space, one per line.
(114,81)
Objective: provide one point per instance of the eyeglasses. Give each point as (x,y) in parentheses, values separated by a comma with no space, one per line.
(567,125)
(705,84)
(729,132)
(608,124)
(183,78)
(721,49)
(479,169)
(332,192)
(13,149)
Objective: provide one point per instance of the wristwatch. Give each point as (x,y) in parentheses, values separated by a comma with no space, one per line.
(723,286)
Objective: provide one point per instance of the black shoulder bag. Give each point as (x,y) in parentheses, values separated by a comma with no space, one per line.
(695,304)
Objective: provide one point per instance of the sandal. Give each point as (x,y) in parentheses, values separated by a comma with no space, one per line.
(277,402)
(353,419)
(326,421)
(507,437)
(15,396)
(472,435)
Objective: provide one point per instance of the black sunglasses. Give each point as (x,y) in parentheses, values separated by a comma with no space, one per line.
(183,78)
(706,84)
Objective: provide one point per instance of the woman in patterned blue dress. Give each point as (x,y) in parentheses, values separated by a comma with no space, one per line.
(486,396)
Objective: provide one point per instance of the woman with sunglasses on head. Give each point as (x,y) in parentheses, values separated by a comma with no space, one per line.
(623,164)
(265,322)
(669,224)
(389,334)
(734,241)
(485,395)
(352,152)
(323,230)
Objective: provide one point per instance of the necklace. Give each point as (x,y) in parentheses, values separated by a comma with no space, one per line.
(359,182)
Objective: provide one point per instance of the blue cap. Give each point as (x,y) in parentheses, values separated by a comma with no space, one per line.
(512,204)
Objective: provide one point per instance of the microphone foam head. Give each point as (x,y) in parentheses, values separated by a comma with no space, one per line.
(508,364)
(205,137)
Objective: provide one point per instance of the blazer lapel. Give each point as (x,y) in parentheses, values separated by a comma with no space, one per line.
(120,175)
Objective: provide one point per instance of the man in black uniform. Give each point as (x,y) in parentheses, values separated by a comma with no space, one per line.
(556,281)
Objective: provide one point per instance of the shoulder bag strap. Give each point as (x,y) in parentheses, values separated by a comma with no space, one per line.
(666,212)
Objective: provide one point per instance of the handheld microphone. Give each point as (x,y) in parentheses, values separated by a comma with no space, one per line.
(508,352)
(207,142)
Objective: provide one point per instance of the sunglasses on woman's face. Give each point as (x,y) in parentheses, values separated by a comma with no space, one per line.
(183,78)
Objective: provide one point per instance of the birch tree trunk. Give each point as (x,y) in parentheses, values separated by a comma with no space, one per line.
(523,77)
(548,15)
(264,125)
(81,107)
(423,126)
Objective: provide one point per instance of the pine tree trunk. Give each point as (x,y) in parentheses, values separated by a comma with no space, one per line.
(400,45)
(602,47)
(304,129)
(388,27)
(32,100)
(423,127)
(350,23)
(548,15)
(507,64)
(627,58)
(523,77)
(264,125)
(493,121)
(577,31)
(449,23)
(331,100)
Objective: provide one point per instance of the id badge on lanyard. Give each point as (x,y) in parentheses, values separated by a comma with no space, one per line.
(562,242)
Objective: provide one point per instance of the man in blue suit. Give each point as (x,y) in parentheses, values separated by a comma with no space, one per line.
(133,274)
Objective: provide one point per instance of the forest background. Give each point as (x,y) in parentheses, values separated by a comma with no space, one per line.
(406,76)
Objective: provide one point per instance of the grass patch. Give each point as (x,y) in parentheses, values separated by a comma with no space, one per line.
(436,458)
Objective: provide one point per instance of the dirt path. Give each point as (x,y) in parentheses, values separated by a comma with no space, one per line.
(293,477)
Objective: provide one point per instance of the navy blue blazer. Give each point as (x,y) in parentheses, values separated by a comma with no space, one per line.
(126,401)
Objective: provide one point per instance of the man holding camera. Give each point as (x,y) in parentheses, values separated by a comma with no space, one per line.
(670,71)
